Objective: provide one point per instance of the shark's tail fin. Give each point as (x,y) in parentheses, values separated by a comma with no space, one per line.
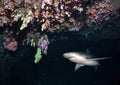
(96,67)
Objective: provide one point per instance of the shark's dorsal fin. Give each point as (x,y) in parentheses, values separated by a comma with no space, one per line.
(77,66)
(87,50)
(99,58)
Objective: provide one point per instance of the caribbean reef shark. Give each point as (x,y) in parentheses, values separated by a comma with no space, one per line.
(83,59)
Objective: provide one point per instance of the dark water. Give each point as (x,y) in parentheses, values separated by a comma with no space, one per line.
(54,69)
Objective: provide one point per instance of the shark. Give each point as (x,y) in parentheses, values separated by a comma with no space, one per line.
(83,59)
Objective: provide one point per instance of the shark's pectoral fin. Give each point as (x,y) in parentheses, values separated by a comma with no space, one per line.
(77,66)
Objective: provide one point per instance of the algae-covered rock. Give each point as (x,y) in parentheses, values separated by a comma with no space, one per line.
(38,55)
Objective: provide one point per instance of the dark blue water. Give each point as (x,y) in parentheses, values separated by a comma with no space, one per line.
(54,69)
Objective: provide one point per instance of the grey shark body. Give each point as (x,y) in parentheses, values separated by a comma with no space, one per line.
(82,59)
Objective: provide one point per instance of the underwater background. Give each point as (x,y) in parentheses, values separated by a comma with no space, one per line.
(54,69)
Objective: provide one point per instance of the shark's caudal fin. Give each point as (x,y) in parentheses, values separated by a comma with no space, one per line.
(77,66)
(100,58)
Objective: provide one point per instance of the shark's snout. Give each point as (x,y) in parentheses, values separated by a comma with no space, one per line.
(66,55)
